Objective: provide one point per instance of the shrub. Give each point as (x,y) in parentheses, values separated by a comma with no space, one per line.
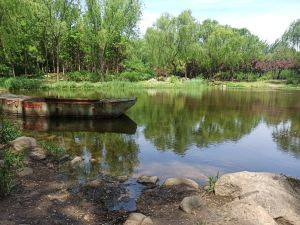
(53,150)
(134,76)
(79,76)
(211,183)
(9,132)
(11,162)
(19,83)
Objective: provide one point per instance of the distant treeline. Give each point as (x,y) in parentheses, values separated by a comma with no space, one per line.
(102,38)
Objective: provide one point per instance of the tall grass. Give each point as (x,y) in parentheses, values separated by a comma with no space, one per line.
(20,83)
(9,132)
(11,163)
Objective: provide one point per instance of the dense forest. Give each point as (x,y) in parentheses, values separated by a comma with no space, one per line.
(100,39)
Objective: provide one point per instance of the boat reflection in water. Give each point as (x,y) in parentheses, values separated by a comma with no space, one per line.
(122,124)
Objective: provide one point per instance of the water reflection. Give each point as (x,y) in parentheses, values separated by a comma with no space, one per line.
(219,129)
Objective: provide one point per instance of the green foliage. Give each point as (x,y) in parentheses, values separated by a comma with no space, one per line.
(211,183)
(78,76)
(11,162)
(9,132)
(292,77)
(21,83)
(53,150)
(134,76)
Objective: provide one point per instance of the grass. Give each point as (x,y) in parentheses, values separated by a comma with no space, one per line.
(49,83)
(212,180)
(11,163)
(53,150)
(9,132)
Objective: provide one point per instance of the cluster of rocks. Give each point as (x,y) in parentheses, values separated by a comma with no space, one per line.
(256,199)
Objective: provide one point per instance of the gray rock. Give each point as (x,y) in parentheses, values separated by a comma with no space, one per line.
(138,219)
(37,154)
(276,194)
(188,204)
(181,181)
(26,171)
(23,143)
(147,180)
(76,161)
(94,183)
(243,213)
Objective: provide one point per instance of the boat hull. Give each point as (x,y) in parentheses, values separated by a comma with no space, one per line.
(54,107)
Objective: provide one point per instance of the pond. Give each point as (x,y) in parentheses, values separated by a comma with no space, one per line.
(185,133)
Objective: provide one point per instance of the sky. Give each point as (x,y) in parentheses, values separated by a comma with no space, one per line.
(267,19)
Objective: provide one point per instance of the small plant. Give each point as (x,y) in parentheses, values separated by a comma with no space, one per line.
(53,150)
(212,180)
(201,223)
(11,162)
(9,132)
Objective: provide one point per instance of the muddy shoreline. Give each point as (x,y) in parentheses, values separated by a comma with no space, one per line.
(44,195)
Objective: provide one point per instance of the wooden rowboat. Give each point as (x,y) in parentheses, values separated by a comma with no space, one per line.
(57,107)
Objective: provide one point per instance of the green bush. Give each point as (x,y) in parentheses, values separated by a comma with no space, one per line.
(134,76)
(9,132)
(79,76)
(291,76)
(240,76)
(11,162)
(53,150)
(19,83)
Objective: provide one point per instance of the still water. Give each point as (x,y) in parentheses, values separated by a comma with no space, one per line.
(193,133)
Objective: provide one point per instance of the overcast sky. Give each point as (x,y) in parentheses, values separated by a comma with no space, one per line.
(266,18)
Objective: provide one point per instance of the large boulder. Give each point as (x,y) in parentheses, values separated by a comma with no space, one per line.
(170,182)
(138,219)
(188,204)
(23,143)
(278,195)
(243,213)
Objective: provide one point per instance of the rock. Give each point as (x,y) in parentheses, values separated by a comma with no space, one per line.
(26,171)
(23,143)
(93,160)
(37,154)
(147,180)
(94,183)
(188,204)
(138,219)
(122,179)
(181,181)
(76,161)
(244,213)
(278,195)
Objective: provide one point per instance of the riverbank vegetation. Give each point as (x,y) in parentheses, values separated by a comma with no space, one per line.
(10,161)
(99,41)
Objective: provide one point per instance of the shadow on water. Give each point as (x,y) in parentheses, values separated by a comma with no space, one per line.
(122,125)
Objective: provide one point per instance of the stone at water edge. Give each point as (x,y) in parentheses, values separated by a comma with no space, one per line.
(26,171)
(277,194)
(122,179)
(181,181)
(76,161)
(138,219)
(188,204)
(94,183)
(23,143)
(147,179)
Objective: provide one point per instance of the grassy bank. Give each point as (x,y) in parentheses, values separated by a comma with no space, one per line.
(175,83)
